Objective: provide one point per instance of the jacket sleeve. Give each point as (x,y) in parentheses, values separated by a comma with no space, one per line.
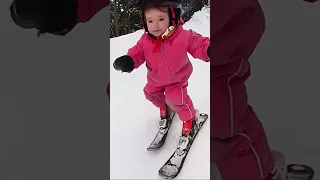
(223,10)
(89,8)
(198,46)
(137,54)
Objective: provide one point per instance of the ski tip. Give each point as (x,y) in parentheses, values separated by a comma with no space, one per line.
(300,170)
(169,172)
(162,174)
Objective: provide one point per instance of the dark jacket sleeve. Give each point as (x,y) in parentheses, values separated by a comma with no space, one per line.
(89,8)
(223,10)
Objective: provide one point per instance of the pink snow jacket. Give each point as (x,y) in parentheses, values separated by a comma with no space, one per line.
(170,63)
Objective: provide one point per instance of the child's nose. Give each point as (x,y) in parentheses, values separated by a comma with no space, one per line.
(157,24)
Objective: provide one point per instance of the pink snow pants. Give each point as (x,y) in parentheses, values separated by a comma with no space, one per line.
(238,142)
(174,95)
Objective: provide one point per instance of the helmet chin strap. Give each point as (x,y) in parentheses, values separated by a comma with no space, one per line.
(168,32)
(165,35)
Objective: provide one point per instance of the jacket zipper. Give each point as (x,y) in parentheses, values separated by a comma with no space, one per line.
(165,59)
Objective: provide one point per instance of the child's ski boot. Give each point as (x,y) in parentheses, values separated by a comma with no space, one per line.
(166,117)
(189,127)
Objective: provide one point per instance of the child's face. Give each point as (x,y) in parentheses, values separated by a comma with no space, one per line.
(157,20)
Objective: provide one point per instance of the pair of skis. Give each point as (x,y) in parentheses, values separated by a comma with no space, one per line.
(174,164)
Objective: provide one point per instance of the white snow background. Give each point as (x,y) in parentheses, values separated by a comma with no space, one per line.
(134,119)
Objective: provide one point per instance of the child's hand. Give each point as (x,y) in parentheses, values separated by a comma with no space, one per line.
(124,63)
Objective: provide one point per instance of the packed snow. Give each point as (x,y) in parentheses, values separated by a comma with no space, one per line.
(134,119)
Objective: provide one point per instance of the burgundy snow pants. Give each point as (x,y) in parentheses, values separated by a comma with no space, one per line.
(238,142)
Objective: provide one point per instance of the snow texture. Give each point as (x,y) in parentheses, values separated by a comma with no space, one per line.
(134,120)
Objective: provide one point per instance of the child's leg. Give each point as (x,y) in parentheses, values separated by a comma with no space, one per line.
(155,95)
(179,101)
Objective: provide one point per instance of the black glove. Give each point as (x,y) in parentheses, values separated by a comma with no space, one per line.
(124,63)
(58,19)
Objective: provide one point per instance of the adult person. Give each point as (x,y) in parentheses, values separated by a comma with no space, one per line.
(239,147)
(56,17)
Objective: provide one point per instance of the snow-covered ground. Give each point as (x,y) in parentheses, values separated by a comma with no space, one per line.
(133,119)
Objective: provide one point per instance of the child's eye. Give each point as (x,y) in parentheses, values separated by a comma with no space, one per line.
(149,21)
(161,19)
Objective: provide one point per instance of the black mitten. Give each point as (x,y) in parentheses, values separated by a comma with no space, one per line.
(124,63)
(59,18)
